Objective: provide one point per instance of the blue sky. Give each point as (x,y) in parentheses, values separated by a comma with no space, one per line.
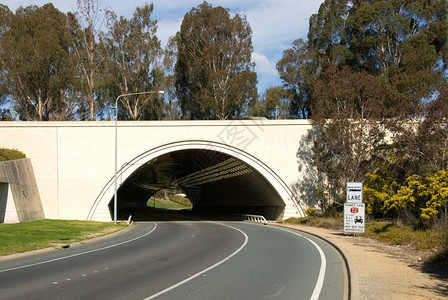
(275,23)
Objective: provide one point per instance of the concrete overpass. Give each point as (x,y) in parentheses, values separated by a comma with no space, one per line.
(235,166)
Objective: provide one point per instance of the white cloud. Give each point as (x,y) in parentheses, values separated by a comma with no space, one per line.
(263,64)
(276,24)
(166,29)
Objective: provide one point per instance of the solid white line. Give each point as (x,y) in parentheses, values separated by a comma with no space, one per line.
(205,270)
(82,253)
(323,266)
(320,279)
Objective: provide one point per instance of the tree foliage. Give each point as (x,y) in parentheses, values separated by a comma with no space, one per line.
(410,182)
(421,200)
(37,64)
(348,127)
(172,109)
(214,72)
(85,26)
(133,50)
(402,43)
(297,72)
(373,75)
(57,66)
(274,104)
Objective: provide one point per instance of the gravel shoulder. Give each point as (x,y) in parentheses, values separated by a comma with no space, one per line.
(383,271)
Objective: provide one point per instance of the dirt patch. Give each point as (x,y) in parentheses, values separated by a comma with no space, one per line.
(387,272)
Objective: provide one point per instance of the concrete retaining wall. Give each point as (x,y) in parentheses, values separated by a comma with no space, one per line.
(19,196)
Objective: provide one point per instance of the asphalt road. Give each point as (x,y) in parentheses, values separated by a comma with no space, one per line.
(182,260)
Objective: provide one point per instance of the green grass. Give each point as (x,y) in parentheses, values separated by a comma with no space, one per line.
(328,223)
(432,240)
(394,234)
(33,235)
(10,154)
(173,202)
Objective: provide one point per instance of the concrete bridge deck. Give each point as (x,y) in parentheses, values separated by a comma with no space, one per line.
(239,166)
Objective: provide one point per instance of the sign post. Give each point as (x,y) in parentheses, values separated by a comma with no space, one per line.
(354,209)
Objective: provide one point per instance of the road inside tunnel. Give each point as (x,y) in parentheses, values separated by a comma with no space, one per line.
(215,183)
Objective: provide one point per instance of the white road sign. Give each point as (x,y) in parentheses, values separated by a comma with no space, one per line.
(354,217)
(354,192)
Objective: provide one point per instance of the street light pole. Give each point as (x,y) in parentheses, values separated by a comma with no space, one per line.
(116,142)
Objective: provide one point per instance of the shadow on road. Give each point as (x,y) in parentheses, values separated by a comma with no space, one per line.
(159,214)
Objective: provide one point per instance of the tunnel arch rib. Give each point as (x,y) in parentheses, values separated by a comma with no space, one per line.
(100,210)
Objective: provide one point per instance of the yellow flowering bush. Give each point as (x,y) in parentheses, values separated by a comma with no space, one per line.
(437,194)
(421,199)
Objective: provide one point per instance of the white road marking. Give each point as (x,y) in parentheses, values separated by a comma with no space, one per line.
(323,266)
(278,293)
(79,254)
(205,270)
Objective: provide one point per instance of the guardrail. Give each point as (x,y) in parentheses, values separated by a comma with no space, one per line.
(252,218)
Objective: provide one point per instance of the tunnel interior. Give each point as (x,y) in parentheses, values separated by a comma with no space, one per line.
(214,182)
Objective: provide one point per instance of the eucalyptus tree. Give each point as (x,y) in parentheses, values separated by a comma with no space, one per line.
(86,27)
(214,72)
(172,107)
(5,22)
(373,61)
(37,65)
(272,104)
(133,51)
(404,44)
(328,35)
(298,72)
(347,108)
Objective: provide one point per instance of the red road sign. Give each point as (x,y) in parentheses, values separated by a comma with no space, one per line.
(353,210)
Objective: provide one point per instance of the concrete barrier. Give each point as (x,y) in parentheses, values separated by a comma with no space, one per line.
(19,196)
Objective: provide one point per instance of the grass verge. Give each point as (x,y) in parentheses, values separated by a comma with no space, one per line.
(33,235)
(391,233)
(328,223)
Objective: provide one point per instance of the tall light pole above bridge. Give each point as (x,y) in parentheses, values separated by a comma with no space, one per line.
(116,142)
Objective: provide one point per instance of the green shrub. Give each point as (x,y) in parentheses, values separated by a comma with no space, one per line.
(334,210)
(311,212)
(393,234)
(10,154)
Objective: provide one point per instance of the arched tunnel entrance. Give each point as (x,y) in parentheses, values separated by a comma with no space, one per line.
(214,181)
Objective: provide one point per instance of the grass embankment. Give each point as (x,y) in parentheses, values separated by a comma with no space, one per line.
(10,154)
(391,233)
(170,202)
(33,235)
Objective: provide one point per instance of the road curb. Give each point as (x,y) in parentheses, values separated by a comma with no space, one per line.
(353,284)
